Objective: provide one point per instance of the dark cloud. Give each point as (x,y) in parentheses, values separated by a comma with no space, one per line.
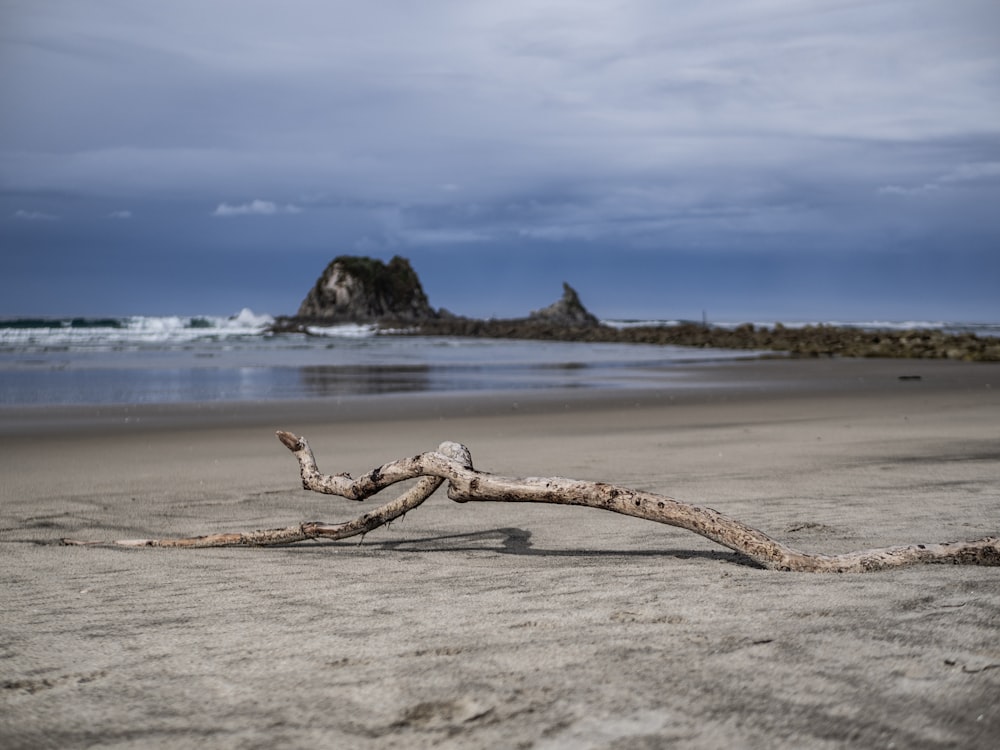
(574,132)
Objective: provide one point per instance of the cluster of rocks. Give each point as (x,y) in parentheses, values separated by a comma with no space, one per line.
(808,341)
(822,340)
(363,290)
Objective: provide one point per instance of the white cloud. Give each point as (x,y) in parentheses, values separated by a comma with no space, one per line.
(120,215)
(925,189)
(255,208)
(964,173)
(34,216)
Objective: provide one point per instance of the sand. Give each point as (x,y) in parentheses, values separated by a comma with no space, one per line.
(511,626)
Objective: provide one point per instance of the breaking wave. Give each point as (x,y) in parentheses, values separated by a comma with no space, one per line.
(26,334)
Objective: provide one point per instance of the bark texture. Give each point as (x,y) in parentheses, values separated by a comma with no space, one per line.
(452,463)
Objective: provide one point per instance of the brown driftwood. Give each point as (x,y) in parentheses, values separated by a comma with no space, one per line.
(452,463)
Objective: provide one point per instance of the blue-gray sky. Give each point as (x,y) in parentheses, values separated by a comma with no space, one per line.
(754,159)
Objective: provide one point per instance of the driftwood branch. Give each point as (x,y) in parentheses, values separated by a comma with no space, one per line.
(452,463)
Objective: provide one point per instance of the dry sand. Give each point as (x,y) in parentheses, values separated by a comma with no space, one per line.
(505,626)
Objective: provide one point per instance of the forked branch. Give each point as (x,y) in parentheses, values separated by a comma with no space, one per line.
(452,463)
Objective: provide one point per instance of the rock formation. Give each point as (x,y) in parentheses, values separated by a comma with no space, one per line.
(361,290)
(567,311)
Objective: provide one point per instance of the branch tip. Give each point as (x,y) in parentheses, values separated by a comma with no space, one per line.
(289,440)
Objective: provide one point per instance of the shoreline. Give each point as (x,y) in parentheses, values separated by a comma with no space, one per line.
(708,383)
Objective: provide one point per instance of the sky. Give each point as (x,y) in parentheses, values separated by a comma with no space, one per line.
(737,160)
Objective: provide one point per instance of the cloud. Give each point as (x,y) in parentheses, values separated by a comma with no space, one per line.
(964,174)
(255,208)
(34,216)
(120,215)
(646,124)
(925,189)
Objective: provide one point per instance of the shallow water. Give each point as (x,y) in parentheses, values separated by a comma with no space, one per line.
(255,367)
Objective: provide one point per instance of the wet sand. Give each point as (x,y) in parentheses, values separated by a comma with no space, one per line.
(494,625)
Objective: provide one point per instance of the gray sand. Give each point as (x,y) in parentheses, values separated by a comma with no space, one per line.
(509,626)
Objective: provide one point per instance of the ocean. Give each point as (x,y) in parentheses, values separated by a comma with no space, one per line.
(192,359)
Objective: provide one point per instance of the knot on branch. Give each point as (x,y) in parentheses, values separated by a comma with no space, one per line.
(456,452)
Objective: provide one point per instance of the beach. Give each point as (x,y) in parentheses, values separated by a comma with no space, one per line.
(511,625)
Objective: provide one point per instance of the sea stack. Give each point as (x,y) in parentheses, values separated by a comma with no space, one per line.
(356,289)
(567,311)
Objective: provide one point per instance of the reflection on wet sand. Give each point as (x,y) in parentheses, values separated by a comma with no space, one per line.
(359,380)
(325,380)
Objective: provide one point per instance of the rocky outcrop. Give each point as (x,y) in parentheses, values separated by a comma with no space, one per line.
(822,340)
(355,289)
(568,311)
(564,320)
(809,341)
(363,290)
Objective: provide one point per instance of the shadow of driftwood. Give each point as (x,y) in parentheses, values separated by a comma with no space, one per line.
(515,541)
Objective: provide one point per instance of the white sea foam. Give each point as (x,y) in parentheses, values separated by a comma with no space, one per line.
(344,330)
(138,330)
(247,318)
